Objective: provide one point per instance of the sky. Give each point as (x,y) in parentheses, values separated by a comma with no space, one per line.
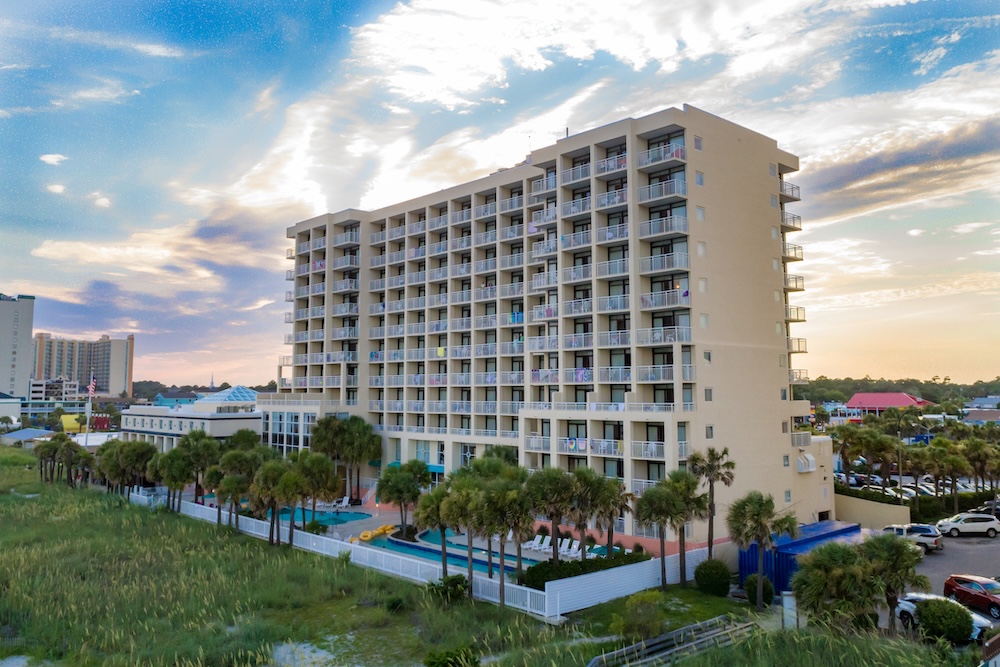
(152,154)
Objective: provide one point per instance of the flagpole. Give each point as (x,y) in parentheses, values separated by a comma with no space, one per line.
(90,397)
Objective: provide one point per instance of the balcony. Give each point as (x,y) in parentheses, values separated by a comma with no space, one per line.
(464,296)
(461,407)
(575,274)
(396,281)
(394,406)
(668,227)
(437,248)
(611,233)
(512,261)
(376,406)
(436,406)
(660,335)
(789,192)
(458,217)
(459,270)
(796,345)
(512,377)
(577,341)
(612,304)
(537,443)
(545,375)
(795,314)
(346,240)
(578,375)
(544,248)
(576,240)
(511,319)
(397,256)
(377,237)
(658,373)
(801,439)
(666,155)
(665,299)
(790,222)
(791,252)
(461,351)
(342,309)
(607,447)
(416,302)
(440,273)
(578,307)
(510,290)
(639,486)
(616,267)
(395,330)
(376,285)
(798,376)
(395,355)
(487,237)
(415,379)
(486,293)
(571,445)
(545,312)
(397,306)
(418,227)
(543,343)
(512,348)
(436,300)
(439,222)
(376,380)
(415,353)
(577,208)
(345,285)
(415,406)
(486,322)
(346,262)
(437,326)
(510,407)
(377,261)
(646,449)
(511,233)
(337,334)
(577,173)
(416,329)
(794,283)
(543,185)
(615,374)
(543,218)
(541,281)
(437,380)
(486,350)
(513,203)
(612,198)
(397,232)
(674,189)
(610,165)
(614,338)
(396,381)
(665,263)
(376,332)
(460,324)
(461,243)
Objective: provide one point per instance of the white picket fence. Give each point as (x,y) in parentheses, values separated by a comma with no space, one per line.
(559,597)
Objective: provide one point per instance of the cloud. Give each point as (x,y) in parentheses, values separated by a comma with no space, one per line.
(56,188)
(260,303)
(107,41)
(916,232)
(941,286)
(929,59)
(265,100)
(109,90)
(52,158)
(99,200)
(987,253)
(969,227)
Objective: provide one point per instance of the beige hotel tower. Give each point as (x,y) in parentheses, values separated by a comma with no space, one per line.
(617,301)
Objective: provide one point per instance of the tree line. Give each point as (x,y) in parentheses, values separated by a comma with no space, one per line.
(936,390)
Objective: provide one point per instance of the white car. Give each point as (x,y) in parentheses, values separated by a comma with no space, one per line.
(906,612)
(969,524)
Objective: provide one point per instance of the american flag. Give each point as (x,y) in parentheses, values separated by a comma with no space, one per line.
(92,387)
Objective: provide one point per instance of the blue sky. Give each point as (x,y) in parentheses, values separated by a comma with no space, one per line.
(155,152)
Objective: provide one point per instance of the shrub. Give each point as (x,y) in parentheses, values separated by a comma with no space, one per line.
(536,575)
(712,577)
(750,586)
(543,530)
(945,620)
(394,603)
(451,588)
(457,657)
(642,617)
(316,528)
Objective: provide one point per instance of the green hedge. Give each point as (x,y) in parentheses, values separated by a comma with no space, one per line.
(942,619)
(536,575)
(874,496)
(712,577)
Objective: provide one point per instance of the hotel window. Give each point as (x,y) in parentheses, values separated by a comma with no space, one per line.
(697,143)
(708,394)
(709,432)
(788,496)
(699,178)
(784,461)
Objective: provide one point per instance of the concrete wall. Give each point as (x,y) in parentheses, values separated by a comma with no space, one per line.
(869,513)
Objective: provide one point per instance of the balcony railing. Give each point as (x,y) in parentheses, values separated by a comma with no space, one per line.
(541,281)
(486,210)
(515,202)
(397,232)
(614,374)
(486,293)
(607,304)
(459,270)
(796,345)
(464,215)
(377,237)
(647,449)
(664,153)
(791,252)
(790,221)
(437,222)
(674,187)
(511,319)
(798,376)
(543,248)
(484,238)
(543,184)
(573,274)
(512,232)
(665,299)
(543,343)
(347,238)
(512,261)
(440,273)
(464,296)
(673,261)
(486,349)
(577,173)
(576,207)
(576,240)
(612,198)
(538,443)
(461,351)
(578,307)
(545,312)
(545,375)
(607,447)
(461,243)
(577,341)
(611,233)
(789,190)
(658,373)
(460,323)
(639,486)
(571,445)
(794,283)
(486,322)
(512,377)
(578,375)
(614,338)
(512,347)
(608,165)
(544,216)
(511,290)
(795,314)
(672,225)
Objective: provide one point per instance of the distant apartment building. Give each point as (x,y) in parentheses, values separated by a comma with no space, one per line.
(617,301)
(109,359)
(57,389)
(17,315)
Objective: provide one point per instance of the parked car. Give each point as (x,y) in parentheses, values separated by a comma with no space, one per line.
(922,534)
(969,524)
(907,494)
(922,489)
(906,612)
(975,592)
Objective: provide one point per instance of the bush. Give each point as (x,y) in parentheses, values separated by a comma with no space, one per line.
(316,528)
(642,617)
(943,619)
(536,575)
(543,530)
(458,657)
(750,586)
(451,588)
(712,577)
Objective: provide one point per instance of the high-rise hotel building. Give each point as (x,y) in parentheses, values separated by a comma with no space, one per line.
(617,301)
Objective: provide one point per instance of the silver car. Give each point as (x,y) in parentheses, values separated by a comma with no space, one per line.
(906,612)
(969,524)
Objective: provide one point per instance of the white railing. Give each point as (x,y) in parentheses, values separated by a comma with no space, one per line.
(661,154)
(672,187)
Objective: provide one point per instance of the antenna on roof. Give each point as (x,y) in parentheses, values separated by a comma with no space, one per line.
(567,133)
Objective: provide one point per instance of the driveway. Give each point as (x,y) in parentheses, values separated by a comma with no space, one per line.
(961,555)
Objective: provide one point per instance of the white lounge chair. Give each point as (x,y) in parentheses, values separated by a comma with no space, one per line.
(570,548)
(546,544)
(532,545)
(346,502)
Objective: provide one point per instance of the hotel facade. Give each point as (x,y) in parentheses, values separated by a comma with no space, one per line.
(617,301)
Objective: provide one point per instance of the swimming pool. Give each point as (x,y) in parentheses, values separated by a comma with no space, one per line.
(431,550)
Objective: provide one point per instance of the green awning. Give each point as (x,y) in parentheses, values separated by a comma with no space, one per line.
(375,463)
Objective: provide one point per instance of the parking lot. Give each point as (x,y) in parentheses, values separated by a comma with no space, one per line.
(961,555)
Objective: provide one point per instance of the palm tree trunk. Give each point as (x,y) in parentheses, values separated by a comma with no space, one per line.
(291,527)
(468,534)
(663,558)
(682,557)
(760,578)
(237,507)
(611,539)
(444,552)
(520,570)
(711,517)
(555,541)
(583,542)
(503,571)
(218,512)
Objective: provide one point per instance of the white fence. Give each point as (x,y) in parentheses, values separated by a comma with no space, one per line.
(559,597)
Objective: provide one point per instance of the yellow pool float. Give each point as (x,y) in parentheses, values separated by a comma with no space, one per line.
(366,536)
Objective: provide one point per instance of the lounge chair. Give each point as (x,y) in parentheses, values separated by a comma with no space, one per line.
(564,544)
(532,545)
(570,548)
(546,544)
(346,502)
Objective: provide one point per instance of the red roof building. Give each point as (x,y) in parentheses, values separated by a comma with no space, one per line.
(876,402)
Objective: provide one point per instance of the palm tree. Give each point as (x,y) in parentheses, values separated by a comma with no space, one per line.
(213,479)
(204,451)
(45,451)
(977,453)
(265,488)
(319,473)
(292,488)
(954,466)
(429,514)
(231,490)
(402,486)
(689,505)
(845,438)
(712,466)
(612,504)
(751,519)
(835,584)
(587,489)
(919,464)
(894,562)
(361,445)
(504,504)
(327,437)
(653,508)
(177,471)
(463,493)
(551,492)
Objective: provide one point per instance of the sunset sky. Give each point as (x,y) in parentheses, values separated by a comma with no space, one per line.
(152,154)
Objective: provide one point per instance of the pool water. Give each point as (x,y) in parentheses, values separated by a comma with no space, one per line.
(323,518)
(431,551)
